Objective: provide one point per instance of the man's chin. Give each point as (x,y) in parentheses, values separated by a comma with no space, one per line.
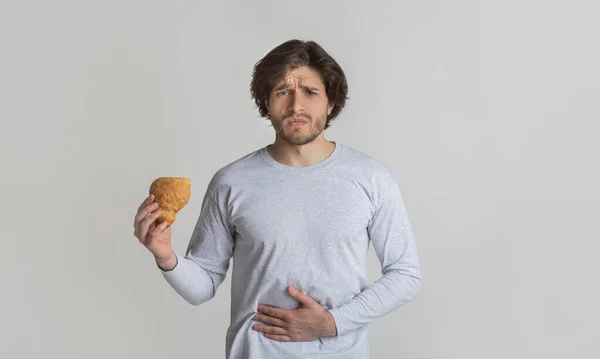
(299,140)
(298,136)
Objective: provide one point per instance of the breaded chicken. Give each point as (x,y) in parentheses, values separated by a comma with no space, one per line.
(171,194)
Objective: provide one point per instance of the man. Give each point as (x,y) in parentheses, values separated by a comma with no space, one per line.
(297,217)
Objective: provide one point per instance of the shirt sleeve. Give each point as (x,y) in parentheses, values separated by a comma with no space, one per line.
(392,238)
(197,276)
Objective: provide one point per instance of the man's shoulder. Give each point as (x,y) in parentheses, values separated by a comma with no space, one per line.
(374,171)
(364,161)
(239,169)
(243,163)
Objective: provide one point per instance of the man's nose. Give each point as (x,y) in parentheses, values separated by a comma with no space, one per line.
(297,102)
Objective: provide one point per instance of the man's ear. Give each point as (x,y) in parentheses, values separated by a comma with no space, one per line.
(330,108)
(267,106)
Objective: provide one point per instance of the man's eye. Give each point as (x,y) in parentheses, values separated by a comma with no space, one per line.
(311,92)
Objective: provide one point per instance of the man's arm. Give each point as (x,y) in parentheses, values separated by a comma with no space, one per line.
(392,238)
(197,276)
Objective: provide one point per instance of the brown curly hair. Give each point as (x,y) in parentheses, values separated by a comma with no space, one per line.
(289,56)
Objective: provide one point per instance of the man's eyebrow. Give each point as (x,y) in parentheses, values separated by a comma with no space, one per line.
(311,88)
(282,86)
(287,85)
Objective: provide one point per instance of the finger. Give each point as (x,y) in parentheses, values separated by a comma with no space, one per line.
(270,320)
(299,296)
(269,329)
(152,226)
(145,212)
(273,312)
(157,230)
(147,201)
(145,224)
(279,338)
(149,223)
(153,235)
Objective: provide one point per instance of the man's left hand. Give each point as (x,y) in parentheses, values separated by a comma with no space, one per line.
(308,322)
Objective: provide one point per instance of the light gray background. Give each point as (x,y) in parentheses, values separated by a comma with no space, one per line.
(486,112)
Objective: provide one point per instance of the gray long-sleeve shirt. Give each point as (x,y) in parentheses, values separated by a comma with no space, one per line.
(308,227)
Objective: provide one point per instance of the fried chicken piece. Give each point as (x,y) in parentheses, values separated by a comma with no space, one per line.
(171,194)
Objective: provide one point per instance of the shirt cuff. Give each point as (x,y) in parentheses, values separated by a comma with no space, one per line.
(177,260)
(337,318)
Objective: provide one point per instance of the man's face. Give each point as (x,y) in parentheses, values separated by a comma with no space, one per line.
(298,106)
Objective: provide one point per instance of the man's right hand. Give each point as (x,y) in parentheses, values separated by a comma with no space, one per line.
(156,238)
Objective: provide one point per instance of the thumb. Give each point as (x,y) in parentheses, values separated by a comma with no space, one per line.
(299,296)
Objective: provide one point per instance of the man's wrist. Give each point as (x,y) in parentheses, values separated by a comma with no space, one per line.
(331,326)
(169,264)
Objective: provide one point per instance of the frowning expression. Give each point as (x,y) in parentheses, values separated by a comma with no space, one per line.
(298,106)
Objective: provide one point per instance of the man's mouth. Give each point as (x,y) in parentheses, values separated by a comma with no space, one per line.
(297,121)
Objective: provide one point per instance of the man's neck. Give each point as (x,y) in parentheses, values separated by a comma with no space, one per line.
(301,156)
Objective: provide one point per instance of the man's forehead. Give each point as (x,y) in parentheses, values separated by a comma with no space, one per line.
(300,80)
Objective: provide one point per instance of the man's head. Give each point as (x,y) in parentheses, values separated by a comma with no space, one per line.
(300,88)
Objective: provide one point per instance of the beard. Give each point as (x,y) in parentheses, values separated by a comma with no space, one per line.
(299,135)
